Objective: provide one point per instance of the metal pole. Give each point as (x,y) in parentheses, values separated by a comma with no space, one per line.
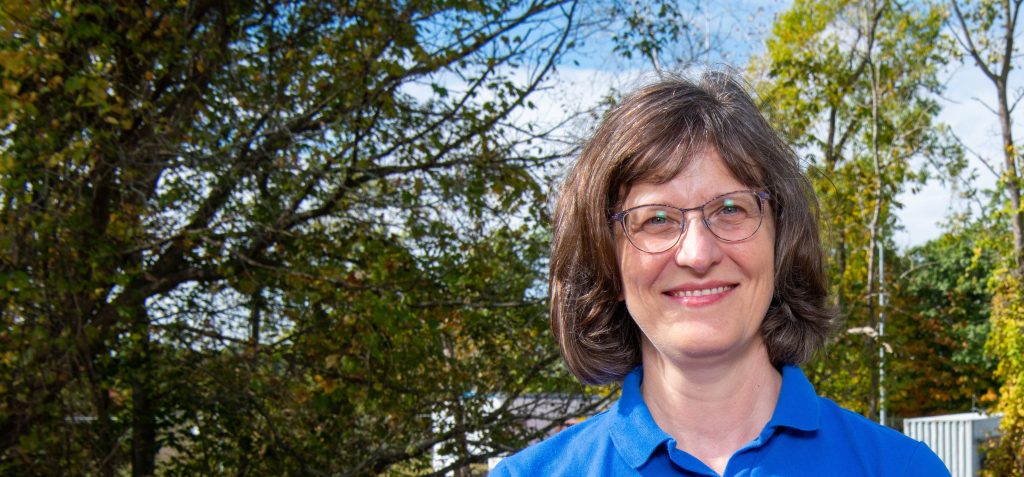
(881,332)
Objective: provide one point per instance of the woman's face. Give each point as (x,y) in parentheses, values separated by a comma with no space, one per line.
(702,300)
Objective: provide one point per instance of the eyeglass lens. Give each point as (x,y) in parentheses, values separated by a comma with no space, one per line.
(656,228)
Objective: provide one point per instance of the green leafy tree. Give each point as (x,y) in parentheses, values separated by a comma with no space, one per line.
(851,83)
(940,323)
(987,32)
(1005,343)
(273,237)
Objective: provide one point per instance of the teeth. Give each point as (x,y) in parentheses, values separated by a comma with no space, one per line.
(704,292)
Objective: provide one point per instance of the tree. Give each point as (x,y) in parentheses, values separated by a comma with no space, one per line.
(273,237)
(986,35)
(940,322)
(851,83)
(986,32)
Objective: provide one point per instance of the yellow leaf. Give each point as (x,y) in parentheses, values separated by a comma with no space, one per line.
(11,87)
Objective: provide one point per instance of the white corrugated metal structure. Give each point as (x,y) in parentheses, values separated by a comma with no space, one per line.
(955,438)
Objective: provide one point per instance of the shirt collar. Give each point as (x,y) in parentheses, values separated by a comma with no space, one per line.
(798,405)
(633,430)
(637,436)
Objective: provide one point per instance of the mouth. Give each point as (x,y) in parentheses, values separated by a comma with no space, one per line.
(700,291)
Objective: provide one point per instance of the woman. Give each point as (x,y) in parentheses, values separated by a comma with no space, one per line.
(686,262)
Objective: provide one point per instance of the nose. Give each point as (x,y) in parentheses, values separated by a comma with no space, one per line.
(698,248)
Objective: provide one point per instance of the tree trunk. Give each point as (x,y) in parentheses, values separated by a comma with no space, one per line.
(873,239)
(143,409)
(1011,177)
(107,451)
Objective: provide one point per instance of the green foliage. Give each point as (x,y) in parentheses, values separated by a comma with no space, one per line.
(271,238)
(939,325)
(986,31)
(650,28)
(852,84)
(1007,343)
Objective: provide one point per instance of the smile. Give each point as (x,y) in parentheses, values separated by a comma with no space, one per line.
(704,292)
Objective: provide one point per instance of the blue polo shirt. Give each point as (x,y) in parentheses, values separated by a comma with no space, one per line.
(806,436)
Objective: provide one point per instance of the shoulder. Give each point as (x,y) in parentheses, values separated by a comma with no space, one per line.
(887,450)
(572,451)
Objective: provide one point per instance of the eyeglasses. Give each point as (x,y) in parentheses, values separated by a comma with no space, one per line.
(732,217)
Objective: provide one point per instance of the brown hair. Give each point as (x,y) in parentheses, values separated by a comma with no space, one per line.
(651,136)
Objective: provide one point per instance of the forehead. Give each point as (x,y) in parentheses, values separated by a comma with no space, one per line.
(704,176)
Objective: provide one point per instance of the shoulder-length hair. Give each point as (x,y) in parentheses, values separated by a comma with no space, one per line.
(651,136)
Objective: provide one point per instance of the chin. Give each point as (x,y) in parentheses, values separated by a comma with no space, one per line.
(708,345)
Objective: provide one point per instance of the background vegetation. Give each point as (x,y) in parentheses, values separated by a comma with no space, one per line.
(310,237)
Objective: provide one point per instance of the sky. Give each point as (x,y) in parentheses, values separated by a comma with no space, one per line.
(966,102)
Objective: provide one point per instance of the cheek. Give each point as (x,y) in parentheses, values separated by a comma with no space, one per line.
(764,270)
(638,273)
(625,263)
(631,270)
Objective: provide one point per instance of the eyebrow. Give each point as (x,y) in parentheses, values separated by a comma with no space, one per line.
(623,206)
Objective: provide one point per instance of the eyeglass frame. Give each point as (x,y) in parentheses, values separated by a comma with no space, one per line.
(762,196)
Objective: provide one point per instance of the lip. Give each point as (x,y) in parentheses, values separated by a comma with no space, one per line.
(701,294)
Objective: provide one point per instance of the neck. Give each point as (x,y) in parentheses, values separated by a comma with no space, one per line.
(713,407)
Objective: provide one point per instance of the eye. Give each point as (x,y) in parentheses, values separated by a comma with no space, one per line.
(729,206)
(659,218)
(654,219)
(732,207)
